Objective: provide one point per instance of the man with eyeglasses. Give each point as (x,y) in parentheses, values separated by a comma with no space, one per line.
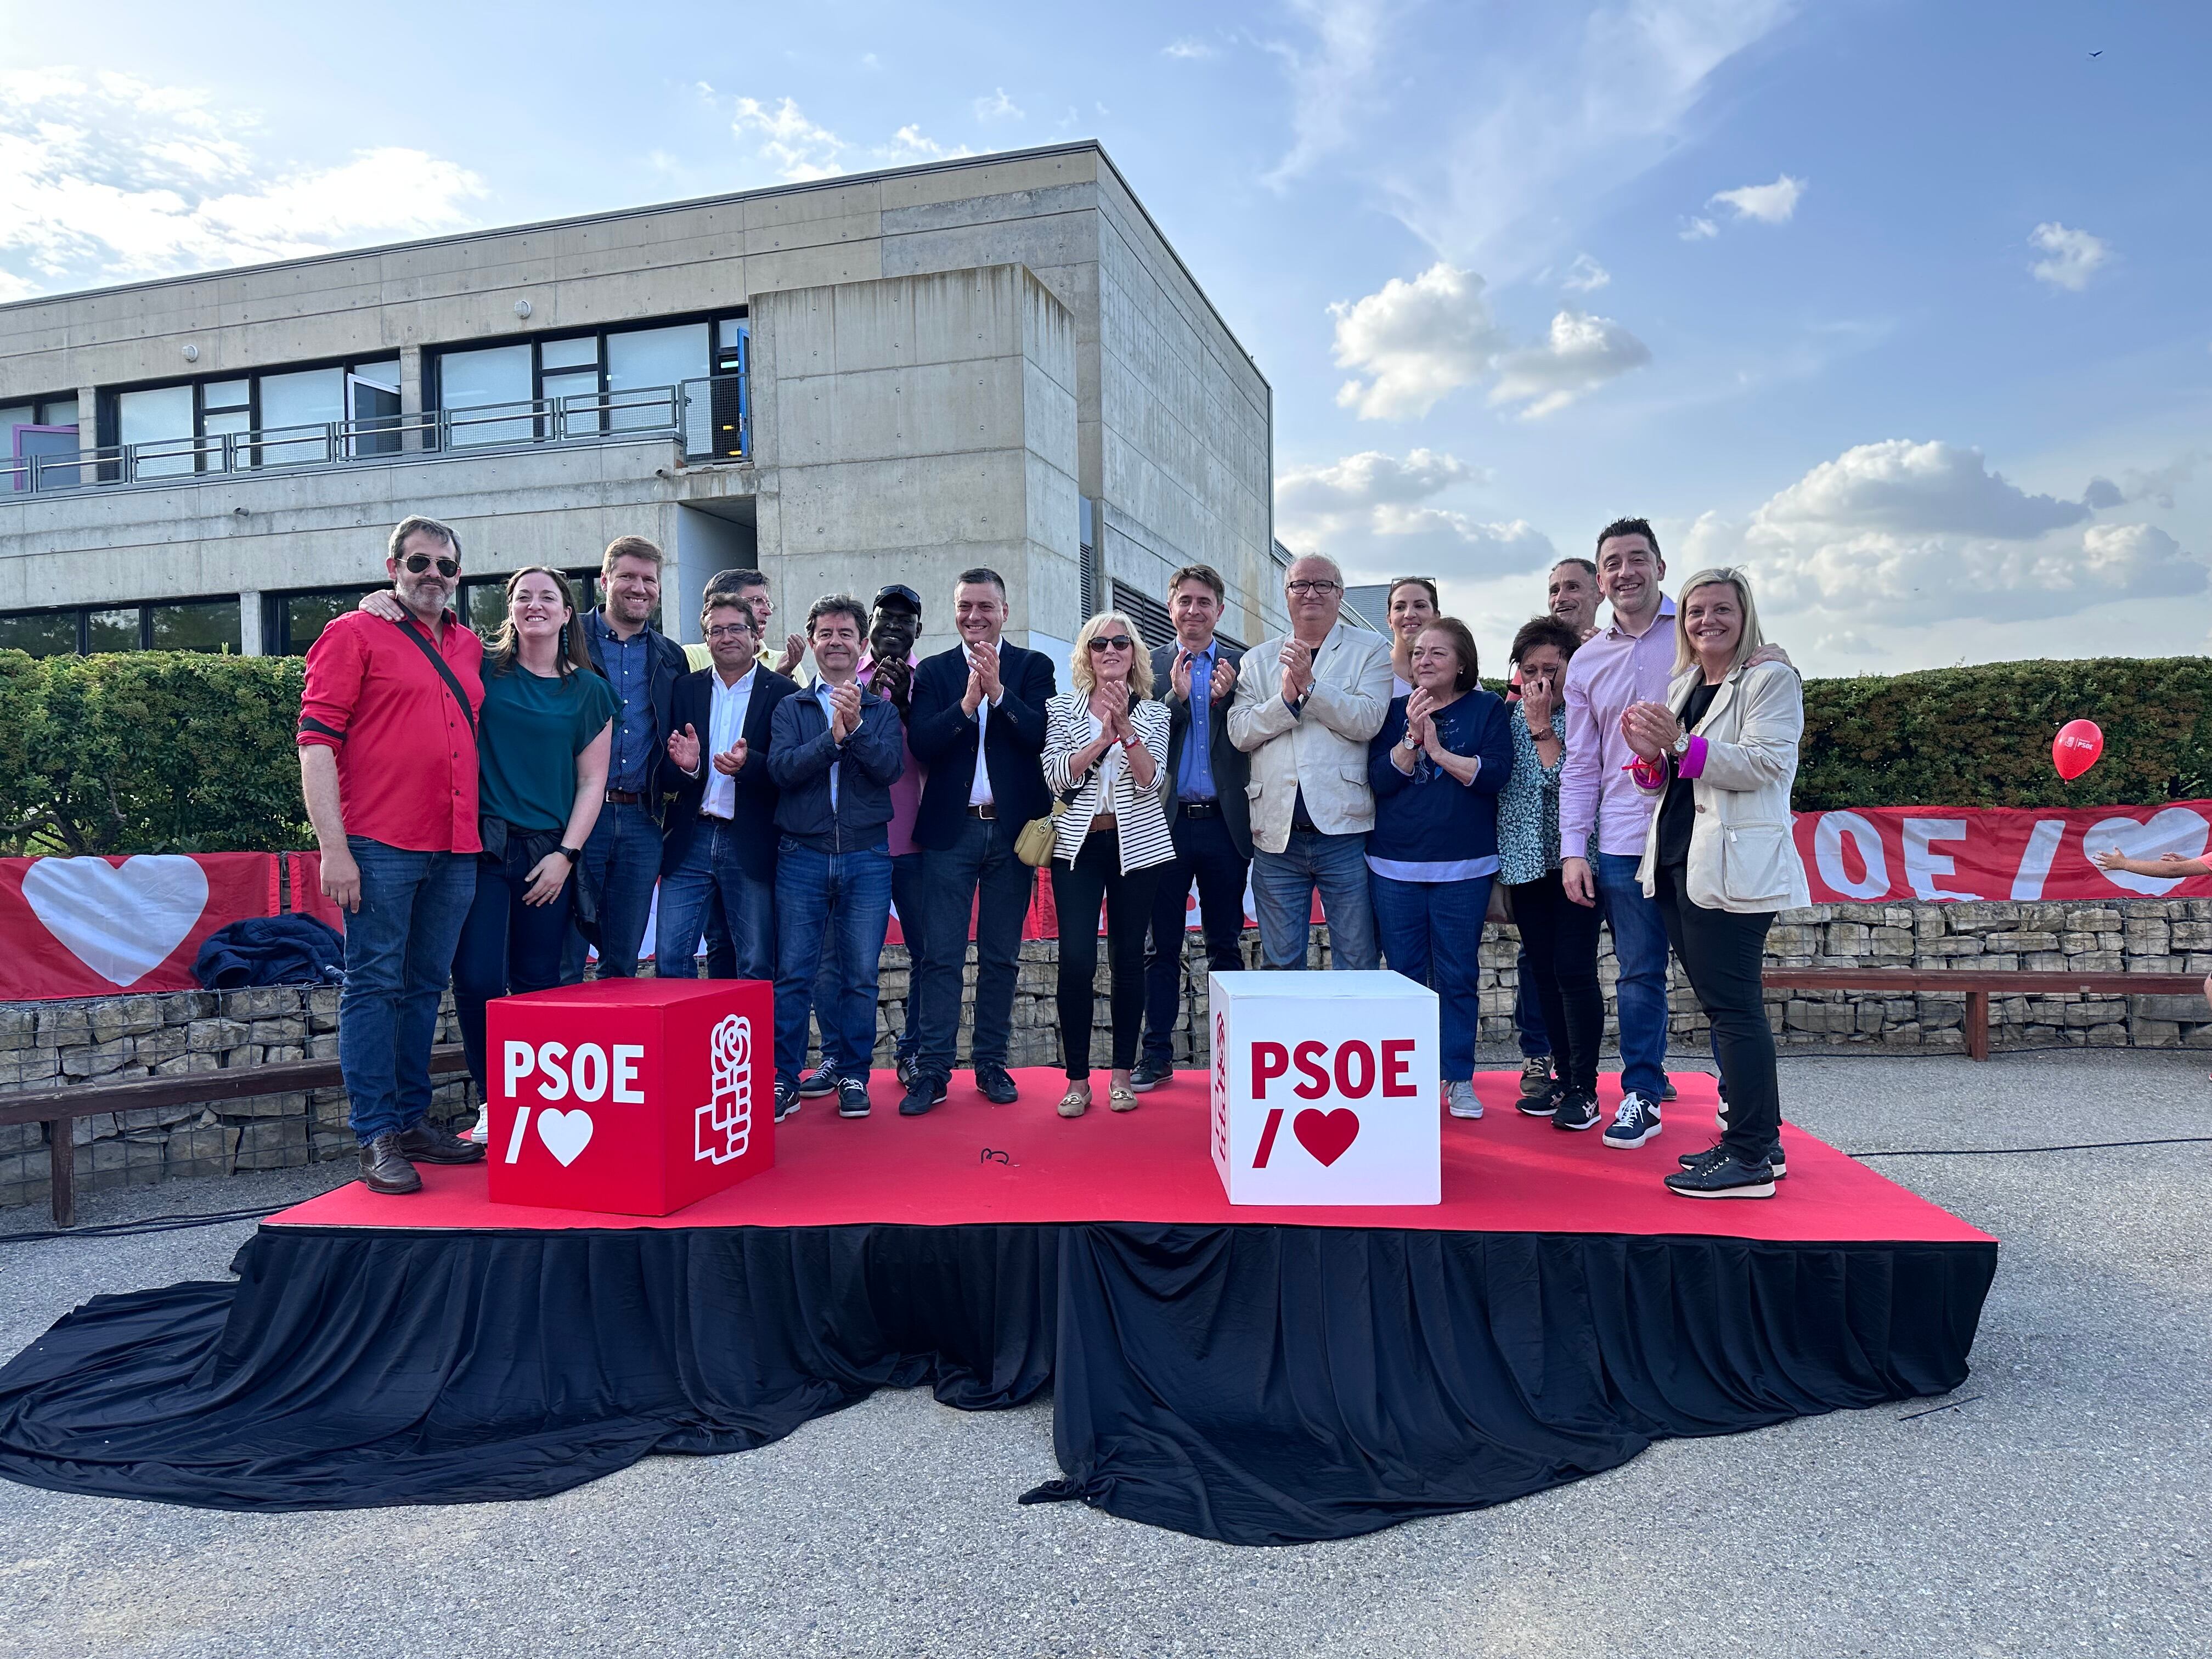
(387,742)
(1305,707)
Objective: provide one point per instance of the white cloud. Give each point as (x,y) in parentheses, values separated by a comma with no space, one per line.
(798,149)
(1585,275)
(105,177)
(1331,80)
(1580,355)
(1371,513)
(1188,47)
(910,144)
(1912,534)
(1416,341)
(1699,230)
(998,107)
(2074,256)
(1770,205)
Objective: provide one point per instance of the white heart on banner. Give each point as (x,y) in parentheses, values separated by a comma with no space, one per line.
(121,920)
(2175,829)
(565,1133)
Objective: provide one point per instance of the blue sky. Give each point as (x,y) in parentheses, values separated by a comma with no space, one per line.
(1903,306)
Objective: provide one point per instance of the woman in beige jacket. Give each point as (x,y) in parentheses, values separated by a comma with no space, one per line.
(1720,756)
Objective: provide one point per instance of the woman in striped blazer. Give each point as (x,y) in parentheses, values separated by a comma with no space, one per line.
(1106,755)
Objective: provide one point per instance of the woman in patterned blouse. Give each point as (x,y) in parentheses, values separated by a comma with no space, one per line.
(1561,936)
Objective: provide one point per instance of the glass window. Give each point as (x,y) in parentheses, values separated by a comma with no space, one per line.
(385,373)
(577,392)
(112,630)
(310,399)
(196,625)
(304,616)
(477,379)
(41,633)
(13,416)
(483,605)
(649,358)
(57,411)
(583,352)
(226,394)
(162,420)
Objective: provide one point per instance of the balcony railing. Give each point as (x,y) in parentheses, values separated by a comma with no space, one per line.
(711,417)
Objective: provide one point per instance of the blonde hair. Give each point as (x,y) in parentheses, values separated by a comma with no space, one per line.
(1685,653)
(1140,658)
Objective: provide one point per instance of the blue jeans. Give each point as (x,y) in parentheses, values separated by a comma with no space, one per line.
(710,869)
(1432,933)
(1639,944)
(1203,852)
(1282,886)
(398,954)
(506,946)
(978,870)
(907,897)
(1528,1011)
(622,861)
(843,899)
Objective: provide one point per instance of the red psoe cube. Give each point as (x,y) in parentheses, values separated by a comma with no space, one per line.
(633,1096)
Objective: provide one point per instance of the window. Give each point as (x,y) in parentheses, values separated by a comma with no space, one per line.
(586,385)
(295,619)
(484,601)
(37,431)
(41,633)
(194,625)
(226,411)
(297,408)
(568,377)
(210,625)
(484,380)
(162,420)
(643,363)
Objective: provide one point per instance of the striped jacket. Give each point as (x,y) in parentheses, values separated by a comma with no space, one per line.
(1139,815)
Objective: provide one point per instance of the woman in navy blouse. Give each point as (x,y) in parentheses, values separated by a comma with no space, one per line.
(1443,753)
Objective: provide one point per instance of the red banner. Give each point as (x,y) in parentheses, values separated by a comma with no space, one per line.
(1869,854)
(92,926)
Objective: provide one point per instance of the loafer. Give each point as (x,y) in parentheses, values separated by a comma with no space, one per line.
(385,1168)
(1076,1101)
(921,1094)
(433,1143)
(1120,1100)
(813,1084)
(995,1086)
(1148,1074)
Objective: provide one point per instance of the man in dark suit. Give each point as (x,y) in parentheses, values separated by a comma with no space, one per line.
(1207,815)
(977,723)
(721,836)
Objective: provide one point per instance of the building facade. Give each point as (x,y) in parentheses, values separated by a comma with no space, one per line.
(885,377)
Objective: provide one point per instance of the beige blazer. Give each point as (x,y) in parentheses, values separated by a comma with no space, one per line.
(1742,856)
(1322,748)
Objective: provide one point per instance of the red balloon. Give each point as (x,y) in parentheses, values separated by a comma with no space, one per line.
(2075,749)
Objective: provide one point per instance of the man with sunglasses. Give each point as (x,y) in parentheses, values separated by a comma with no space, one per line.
(387,744)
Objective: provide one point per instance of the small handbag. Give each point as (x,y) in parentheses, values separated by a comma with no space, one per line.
(1033,846)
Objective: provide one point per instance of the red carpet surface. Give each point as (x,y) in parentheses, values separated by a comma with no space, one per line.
(1502,1173)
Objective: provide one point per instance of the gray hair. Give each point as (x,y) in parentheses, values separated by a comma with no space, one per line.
(1335,569)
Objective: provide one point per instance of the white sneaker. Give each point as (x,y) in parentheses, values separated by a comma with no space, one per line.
(1460,1100)
(480,1131)
(1636,1123)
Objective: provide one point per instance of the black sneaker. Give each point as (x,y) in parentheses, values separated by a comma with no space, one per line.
(1723,1177)
(432,1143)
(820,1081)
(1148,1074)
(1776,1160)
(852,1097)
(1536,1079)
(921,1094)
(1636,1122)
(1543,1105)
(786,1099)
(905,1069)
(1576,1111)
(994,1085)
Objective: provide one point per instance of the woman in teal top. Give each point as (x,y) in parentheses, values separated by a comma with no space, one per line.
(541,744)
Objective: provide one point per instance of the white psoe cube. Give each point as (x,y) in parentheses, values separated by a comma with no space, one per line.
(1325,1089)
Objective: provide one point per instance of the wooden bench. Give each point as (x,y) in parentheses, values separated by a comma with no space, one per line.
(1979,985)
(59,1108)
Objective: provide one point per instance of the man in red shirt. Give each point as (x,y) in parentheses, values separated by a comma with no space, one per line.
(388,765)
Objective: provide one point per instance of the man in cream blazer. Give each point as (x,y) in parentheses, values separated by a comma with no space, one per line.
(1305,708)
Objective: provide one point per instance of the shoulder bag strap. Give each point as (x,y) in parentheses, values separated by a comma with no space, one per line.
(444,672)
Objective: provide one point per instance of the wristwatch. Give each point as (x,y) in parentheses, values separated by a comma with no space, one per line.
(1681,744)
(1409,741)
(570,853)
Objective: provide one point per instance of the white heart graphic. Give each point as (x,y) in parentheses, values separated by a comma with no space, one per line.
(565,1133)
(120,921)
(2176,830)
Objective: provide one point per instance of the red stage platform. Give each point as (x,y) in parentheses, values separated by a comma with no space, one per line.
(1502,1173)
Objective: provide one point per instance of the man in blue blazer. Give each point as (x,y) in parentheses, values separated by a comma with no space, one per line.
(977,723)
(720,835)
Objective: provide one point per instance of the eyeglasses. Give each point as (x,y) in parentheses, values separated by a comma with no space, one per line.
(730,631)
(1321,589)
(419,562)
(1113,643)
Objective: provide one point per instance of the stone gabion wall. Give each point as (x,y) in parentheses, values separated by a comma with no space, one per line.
(46,1043)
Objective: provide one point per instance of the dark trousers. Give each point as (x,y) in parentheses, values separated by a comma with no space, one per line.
(398,955)
(1076,894)
(1558,942)
(907,890)
(1528,1010)
(622,861)
(507,947)
(1721,950)
(1203,854)
(978,871)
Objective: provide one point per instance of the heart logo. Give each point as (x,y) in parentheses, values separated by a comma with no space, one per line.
(2176,830)
(121,920)
(1326,1136)
(565,1133)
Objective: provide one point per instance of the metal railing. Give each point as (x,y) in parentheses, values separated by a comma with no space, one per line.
(711,417)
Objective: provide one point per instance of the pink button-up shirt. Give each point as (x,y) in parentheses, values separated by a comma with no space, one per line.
(906,789)
(1611,669)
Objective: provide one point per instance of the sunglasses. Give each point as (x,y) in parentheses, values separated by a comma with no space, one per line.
(419,562)
(1114,642)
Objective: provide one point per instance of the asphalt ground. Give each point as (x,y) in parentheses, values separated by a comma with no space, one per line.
(2064,1505)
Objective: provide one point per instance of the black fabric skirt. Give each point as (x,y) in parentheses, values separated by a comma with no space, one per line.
(1255,1384)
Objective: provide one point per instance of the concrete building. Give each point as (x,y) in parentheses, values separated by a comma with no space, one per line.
(883,377)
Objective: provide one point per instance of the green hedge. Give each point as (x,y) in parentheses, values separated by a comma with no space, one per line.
(157,751)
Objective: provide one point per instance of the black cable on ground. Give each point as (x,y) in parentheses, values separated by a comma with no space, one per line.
(2079,1146)
(152,1223)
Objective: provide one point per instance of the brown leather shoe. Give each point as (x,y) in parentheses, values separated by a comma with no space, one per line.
(385,1169)
(430,1143)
